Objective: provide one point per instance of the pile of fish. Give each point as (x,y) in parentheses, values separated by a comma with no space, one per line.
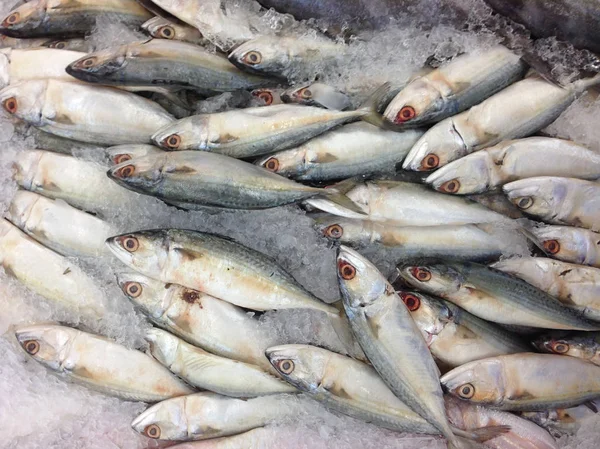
(462,342)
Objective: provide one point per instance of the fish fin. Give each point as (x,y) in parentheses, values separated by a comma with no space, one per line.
(591,406)
(342,200)
(370,109)
(341,326)
(541,67)
(482,434)
(327,157)
(346,185)
(585,84)
(173,98)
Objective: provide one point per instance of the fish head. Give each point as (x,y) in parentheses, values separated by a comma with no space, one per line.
(261,56)
(160,28)
(436,279)
(26,167)
(151,296)
(164,421)
(100,66)
(143,174)
(430,314)
(464,176)
(344,230)
(46,343)
(163,345)
(25,100)
(5,67)
(122,153)
(21,208)
(286,163)
(566,243)
(145,251)
(189,133)
(417,104)
(536,196)
(480,382)
(437,147)
(74,44)
(303,366)
(581,346)
(267,96)
(360,281)
(24,21)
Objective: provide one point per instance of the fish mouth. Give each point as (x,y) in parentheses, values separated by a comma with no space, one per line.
(412,161)
(114,245)
(142,421)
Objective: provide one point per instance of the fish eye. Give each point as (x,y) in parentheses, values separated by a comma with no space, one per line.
(451,186)
(421,274)
(11,105)
(286,366)
(166,32)
(560,347)
(89,62)
(265,96)
(31,346)
(334,231)
(152,431)
(430,162)
(346,271)
(133,289)
(125,172)
(552,246)
(120,158)
(467,391)
(131,244)
(60,45)
(405,114)
(252,58)
(305,93)
(173,141)
(412,302)
(525,202)
(13,18)
(272,164)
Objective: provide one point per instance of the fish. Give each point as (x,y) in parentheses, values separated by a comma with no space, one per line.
(49,274)
(50,142)
(391,340)
(317,94)
(520,110)
(569,244)
(161,28)
(583,345)
(525,382)
(493,295)
(575,286)
(80,183)
(99,363)
(194,179)
(279,56)
(62,228)
(201,320)
(43,18)
(513,160)
(555,200)
(207,415)
(266,96)
(206,371)
(351,150)
(160,62)
(455,87)
(122,153)
(261,437)
(93,114)
(453,335)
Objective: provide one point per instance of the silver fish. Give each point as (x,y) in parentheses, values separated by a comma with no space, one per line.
(575,245)
(493,295)
(161,28)
(583,345)
(558,200)
(517,111)
(100,363)
(525,382)
(317,94)
(455,87)
(352,150)
(513,160)
(122,153)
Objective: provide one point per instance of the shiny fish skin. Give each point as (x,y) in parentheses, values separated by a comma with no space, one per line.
(121,153)
(570,244)
(493,295)
(354,149)
(48,273)
(525,382)
(93,114)
(58,226)
(41,18)
(12,42)
(454,87)
(513,160)
(583,345)
(56,144)
(575,286)
(203,321)
(208,415)
(558,200)
(317,94)
(210,372)
(259,438)
(99,363)
(161,28)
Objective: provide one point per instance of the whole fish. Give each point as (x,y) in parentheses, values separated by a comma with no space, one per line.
(193,179)
(453,335)
(122,153)
(513,160)
(80,183)
(94,114)
(256,131)
(99,363)
(47,273)
(161,28)
(558,200)
(351,150)
(583,345)
(60,227)
(493,295)
(212,372)
(525,382)
(160,62)
(575,286)
(391,340)
(408,204)
(575,245)
(203,416)
(206,322)
(317,94)
(41,18)
(455,87)
(517,111)
(266,96)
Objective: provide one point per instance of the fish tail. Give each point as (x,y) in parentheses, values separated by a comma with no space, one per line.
(480,434)
(585,84)
(338,197)
(369,110)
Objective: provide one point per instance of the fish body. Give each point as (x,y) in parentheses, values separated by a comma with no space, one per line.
(121,153)
(317,94)
(525,382)
(513,160)
(100,363)
(161,28)
(583,345)
(570,244)
(563,201)
(50,142)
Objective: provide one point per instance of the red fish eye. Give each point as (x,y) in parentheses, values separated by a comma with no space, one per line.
(12,19)
(267,97)
(346,271)
(11,105)
(272,164)
(560,347)
(31,346)
(452,186)
(422,274)
(131,244)
(430,162)
(173,141)
(334,231)
(552,246)
(405,114)
(120,158)
(125,172)
(412,302)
